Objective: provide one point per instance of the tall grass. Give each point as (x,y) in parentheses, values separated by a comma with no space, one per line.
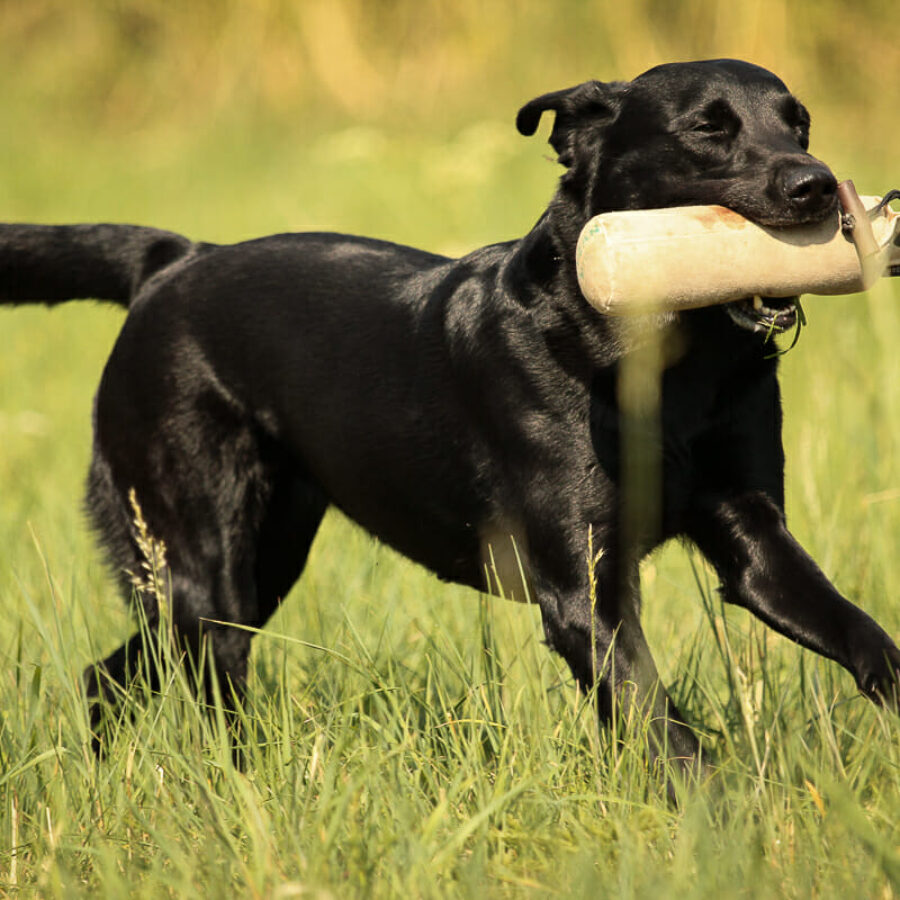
(405,736)
(395,757)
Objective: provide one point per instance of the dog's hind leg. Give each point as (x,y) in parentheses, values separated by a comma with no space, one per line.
(197,586)
(236,520)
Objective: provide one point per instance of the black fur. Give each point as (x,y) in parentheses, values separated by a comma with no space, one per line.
(452,406)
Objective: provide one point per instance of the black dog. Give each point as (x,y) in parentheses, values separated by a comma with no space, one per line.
(461,409)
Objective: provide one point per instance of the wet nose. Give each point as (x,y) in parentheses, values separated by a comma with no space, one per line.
(810,189)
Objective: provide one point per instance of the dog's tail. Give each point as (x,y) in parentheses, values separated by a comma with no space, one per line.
(54,263)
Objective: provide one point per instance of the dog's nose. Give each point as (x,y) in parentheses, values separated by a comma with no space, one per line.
(810,189)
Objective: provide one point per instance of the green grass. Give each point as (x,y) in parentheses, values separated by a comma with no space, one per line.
(408,737)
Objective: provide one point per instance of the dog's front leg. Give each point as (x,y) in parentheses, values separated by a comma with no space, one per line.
(597,630)
(763,568)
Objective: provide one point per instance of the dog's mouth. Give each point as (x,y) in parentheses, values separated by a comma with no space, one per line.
(766,315)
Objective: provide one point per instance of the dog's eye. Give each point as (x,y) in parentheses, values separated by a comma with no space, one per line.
(707,128)
(715,121)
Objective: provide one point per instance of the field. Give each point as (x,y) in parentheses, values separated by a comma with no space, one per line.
(408,737)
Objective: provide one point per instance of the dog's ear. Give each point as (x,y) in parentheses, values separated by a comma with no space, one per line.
(585,104)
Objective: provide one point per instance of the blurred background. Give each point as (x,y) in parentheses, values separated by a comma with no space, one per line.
(140,108)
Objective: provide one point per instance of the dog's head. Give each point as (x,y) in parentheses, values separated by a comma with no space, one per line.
(715,132)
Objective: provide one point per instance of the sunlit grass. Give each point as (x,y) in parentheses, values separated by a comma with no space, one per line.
(406,751)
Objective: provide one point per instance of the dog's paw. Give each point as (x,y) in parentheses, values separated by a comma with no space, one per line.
(879,678)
